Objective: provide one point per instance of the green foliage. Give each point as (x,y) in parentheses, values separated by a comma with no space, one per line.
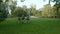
(46,11)
(6,0)
(57,5)
(13,6)
(0,0)
(19,12)
(9,15)
(3,11)
(33,10)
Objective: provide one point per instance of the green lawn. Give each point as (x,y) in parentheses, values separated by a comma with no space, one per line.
(36,26)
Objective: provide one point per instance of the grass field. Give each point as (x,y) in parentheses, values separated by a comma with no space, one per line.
(36,26)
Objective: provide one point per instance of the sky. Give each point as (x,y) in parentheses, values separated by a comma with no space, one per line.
(39,3)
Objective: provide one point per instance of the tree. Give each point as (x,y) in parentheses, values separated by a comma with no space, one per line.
(54,12)
(48,1)
(57,5)
(24,7)
(19,12)
(3,11)
(12,6)
(38,13)
(47,11)
(33,10)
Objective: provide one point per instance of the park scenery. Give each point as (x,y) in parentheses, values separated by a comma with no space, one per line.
(29,16)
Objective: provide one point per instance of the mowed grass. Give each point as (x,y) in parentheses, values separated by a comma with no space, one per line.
(36,26)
